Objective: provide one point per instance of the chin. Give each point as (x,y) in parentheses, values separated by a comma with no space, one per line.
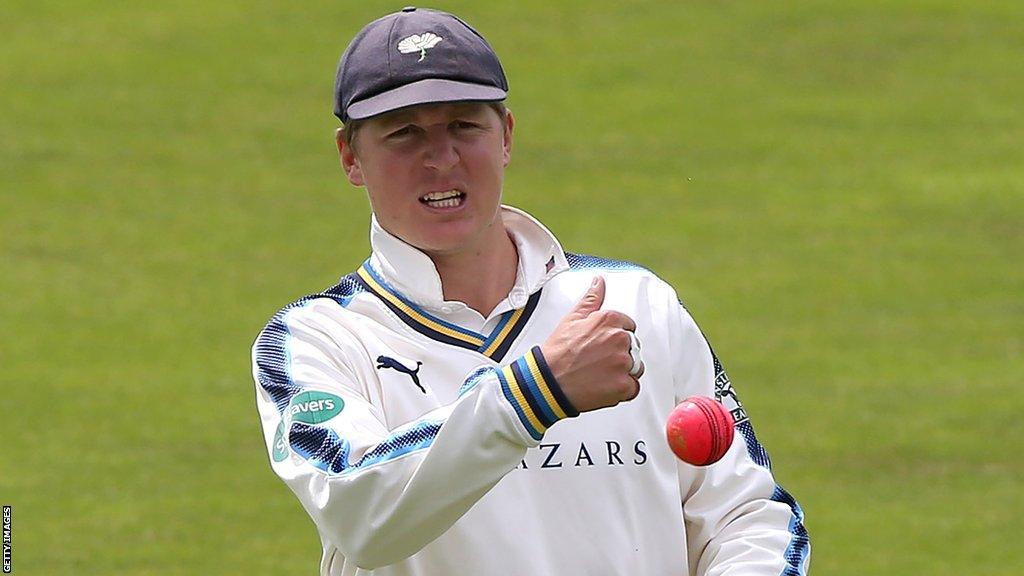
(450,240)
(441,246)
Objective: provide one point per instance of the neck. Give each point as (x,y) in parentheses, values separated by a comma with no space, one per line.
(480,277)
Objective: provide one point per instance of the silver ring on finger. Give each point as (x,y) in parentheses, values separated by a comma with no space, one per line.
(637,367)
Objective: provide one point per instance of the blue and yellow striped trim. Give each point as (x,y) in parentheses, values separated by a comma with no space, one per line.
(494,346)
(415,316)
(531,389)
(508,329)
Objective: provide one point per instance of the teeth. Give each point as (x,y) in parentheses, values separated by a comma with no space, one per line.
(447,199)
(448,203)
(441,195)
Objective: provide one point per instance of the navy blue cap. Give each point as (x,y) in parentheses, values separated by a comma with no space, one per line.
(415,56)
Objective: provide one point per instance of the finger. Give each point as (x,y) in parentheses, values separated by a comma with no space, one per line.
(636,391)
(592,300)
(618,320)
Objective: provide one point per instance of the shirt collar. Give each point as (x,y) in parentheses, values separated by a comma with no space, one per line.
(412,273)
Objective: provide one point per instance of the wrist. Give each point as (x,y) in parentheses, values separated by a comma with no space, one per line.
(533,391)
(549,377)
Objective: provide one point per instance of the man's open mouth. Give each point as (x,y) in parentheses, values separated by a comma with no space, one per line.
(447,199)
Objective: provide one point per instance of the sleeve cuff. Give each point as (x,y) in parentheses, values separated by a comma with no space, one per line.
(531,388)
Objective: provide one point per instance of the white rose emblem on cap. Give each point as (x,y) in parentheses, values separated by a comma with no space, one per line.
(419,43)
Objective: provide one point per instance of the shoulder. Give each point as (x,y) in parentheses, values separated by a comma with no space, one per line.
(314,332)
(620,273)
(580,262)
(306,310)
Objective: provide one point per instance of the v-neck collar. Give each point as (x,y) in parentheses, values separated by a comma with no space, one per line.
(407,282)
(494,345)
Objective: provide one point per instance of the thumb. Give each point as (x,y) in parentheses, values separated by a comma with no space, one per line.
(592,300)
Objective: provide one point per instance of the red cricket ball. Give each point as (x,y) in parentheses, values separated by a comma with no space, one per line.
(699,430)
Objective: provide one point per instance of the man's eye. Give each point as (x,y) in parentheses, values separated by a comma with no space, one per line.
(463,125)
(404,131)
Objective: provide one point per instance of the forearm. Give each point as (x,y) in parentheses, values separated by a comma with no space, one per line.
(381,494)
(406,490)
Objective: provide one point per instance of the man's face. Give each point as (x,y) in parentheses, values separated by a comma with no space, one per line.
(434,173)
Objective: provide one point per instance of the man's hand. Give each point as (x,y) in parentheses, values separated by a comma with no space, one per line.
(588,353)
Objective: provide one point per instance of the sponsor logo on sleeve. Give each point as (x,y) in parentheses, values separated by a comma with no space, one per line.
(314,407)
(280,450)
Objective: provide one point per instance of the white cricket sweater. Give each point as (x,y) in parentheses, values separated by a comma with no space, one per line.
(425,439)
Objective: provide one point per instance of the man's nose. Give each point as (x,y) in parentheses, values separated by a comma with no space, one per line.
(441,153)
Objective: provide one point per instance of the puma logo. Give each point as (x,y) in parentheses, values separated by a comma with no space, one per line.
(387,362)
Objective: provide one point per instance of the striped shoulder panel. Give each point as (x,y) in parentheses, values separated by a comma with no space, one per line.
(272,342)
(587,262)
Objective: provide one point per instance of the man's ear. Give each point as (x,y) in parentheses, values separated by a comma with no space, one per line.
(507,137)
(349,160)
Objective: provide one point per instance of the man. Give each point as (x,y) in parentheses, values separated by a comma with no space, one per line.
(472,400)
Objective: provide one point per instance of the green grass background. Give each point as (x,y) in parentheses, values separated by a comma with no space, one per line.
(835,188)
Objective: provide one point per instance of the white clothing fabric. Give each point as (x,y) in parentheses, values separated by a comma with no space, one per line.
(424,439)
